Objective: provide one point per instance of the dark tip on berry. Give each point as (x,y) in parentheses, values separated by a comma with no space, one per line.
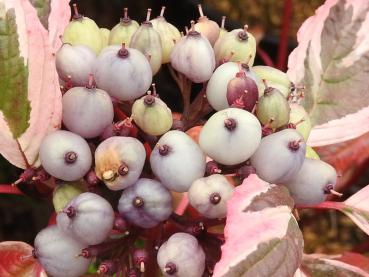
(138,202)
(245,66)
(328,188)
(70,157)
(178,125)
(149,100)
(212,168)
(170,268)
(123,169)
(123,52)
(215,198)
(70,212)
(294,145)
(164,150)
(230,124)
(242,35)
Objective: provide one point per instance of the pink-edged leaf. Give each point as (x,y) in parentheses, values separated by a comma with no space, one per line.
(41,87)
(262,238)
(356,207)
(325,265)
(16,260)
(332,61)
(354,259)
(58,19)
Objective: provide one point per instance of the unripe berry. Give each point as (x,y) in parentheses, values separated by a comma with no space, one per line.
(123,31)
(208,28)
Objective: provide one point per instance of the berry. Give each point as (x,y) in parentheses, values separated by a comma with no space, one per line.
(242,92)
(279,156)
(146,203)
(58,253)
(224,135)
(300,120)
(181,256)
(237,46)
(123,72)
(169,35)
(216,90)
(119,161)
(87,111)
(83,30)
(208,28)
(177,161)
(65,155)
(152,115)
(193,56)
(209,195)
(104,33)
(88,218)
(148,41)
(123,31)
(74,63)
(275,78)
(312,183)
(273,108)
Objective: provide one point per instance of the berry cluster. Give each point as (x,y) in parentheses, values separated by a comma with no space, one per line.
(258,127)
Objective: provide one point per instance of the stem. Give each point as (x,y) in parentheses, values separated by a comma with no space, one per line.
(8,189)
(182,206)
(223,22)
(23,154)
(75,9)
(148,14)
(162,11)
(265,57)
(200,10)
(283,40)
(125,13)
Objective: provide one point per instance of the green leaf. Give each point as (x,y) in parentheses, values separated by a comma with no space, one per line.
(43,8)
(14,102)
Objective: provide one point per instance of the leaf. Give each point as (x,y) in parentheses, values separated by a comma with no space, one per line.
(43,10)
(43,93)
(58,19)
(332,61)
(328,266)
(16,260)
(262,237)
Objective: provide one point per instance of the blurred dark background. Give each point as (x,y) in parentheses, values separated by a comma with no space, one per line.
(22,217)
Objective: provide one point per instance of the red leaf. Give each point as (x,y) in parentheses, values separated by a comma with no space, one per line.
(355,259)
(16,260)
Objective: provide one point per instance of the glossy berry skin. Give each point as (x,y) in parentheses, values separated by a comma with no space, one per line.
(64,193)
(177,161)
(209,195)
(152,115)
(312,183)
(123,31)
(181,256)
(119,161)
(83,30)
(300,119)
(216,90)
(146,203)
(88,218)
(226,145)
(58,253)
(169,34)
(54,152)
(242,92)
(279,156)
(239,42)
(87,111)
(273,109)
(193,56)
(123,73)
(75,62)
(148,41)
(208,28)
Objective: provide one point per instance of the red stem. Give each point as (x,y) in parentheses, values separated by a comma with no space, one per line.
(265,57)
(283,40)
(9,189)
